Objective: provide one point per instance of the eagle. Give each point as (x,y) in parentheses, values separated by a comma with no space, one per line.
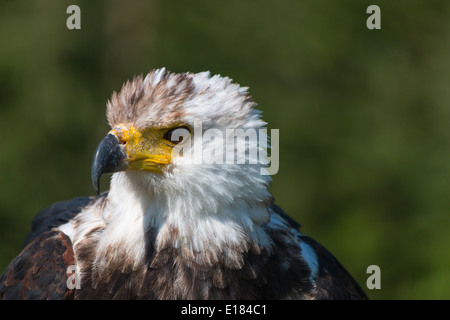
(169,227)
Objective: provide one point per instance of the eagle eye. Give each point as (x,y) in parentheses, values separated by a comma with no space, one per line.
(177,135)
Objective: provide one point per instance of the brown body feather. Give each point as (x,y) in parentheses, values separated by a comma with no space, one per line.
(40,272)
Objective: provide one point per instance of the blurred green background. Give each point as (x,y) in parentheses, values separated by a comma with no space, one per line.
(364,115)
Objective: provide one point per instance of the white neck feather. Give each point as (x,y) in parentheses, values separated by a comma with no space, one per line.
(201,210)
(201,225)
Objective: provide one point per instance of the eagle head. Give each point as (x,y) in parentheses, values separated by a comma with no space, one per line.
(191,135)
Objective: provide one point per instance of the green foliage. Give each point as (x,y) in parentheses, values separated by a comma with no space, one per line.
(363,114)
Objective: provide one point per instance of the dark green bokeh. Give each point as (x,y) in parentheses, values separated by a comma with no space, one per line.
(364,115)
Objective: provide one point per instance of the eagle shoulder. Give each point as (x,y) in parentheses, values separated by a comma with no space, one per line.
(328,277)
(40,270)
(56,215)
(332,281)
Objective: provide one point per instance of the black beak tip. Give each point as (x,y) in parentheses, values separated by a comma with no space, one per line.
(109,157)
(96,184)
(96,171)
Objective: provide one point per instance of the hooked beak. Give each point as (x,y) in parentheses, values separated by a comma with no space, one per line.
(126,148)
(109,158)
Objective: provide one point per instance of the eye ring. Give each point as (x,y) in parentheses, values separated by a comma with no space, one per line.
(177,135)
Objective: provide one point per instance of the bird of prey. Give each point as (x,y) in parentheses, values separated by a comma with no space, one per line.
(170,227)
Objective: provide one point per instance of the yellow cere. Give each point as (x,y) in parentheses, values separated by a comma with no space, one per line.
(146,150)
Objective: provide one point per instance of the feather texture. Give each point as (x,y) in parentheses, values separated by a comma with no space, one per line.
(196,231)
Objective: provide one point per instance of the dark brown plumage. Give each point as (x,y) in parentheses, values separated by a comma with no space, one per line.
(39,272)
